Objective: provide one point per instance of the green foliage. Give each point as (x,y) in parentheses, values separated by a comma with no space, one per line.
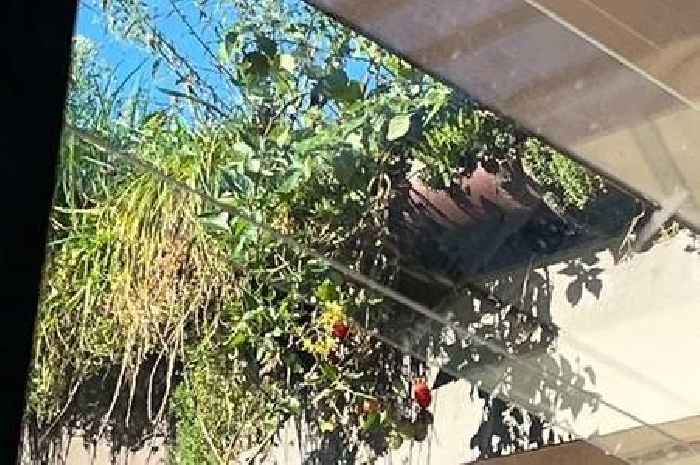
(137,269)
(445,146)
(572,184)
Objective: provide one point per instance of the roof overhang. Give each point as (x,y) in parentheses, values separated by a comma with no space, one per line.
(611,83)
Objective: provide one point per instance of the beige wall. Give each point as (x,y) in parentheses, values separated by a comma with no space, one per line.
(639,339)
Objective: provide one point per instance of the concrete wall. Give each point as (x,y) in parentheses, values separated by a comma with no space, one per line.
(633,337)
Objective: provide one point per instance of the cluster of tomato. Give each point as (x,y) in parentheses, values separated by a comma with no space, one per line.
(421,391)
(416,428)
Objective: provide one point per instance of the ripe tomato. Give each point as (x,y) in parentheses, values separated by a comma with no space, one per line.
(340,329)
(421,392)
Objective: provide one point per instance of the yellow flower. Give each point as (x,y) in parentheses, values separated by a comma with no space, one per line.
(334,312)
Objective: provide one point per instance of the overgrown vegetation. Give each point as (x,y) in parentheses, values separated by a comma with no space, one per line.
(236,328)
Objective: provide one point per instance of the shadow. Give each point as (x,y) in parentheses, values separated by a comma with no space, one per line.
(518,402)
(584,275)
(693,247)
(130,424)
(330,448)
(493,276)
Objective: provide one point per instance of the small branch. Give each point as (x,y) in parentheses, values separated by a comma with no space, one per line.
(629,237)
(203,44)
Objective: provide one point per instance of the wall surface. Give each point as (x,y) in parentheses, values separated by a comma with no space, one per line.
(633,336)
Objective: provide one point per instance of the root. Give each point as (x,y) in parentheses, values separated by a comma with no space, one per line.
(149,397)
(71,394)
(115,396)
(168,384)
(132,389)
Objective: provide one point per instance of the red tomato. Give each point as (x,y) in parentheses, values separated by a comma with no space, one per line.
(340,329)
(421,392)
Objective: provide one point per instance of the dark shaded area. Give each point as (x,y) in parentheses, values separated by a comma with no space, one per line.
(478,255)
(490,223)
(695,246)
(35,55)
(133,420)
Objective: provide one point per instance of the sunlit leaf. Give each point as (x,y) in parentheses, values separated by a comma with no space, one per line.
(287,62)
(218,222)
(398,126)
(254,165)
(355,140)
(243,148)
(327,292)
(327,426)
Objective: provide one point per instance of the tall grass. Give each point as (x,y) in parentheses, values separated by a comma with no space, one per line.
(131,273)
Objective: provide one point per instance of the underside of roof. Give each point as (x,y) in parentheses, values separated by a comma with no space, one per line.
(611,83)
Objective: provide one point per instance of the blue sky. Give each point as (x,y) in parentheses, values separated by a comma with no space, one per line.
(90,24)
(125,56)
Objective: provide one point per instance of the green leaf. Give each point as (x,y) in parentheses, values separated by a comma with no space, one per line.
(244,149)
(314,71)
(345,165)
(230,41)
(355,140)
(291,183)
(395,441)
(254,165)
(315,142)
(307,167)
(287,62)
(327,426)
(329,371)
(371,421)
(398,126)
(240,336)
(257,65)
(327,292)
(350,93)
(218,222)
(173,93)
(334,84)
(293,405)
(280,134)
(237,182)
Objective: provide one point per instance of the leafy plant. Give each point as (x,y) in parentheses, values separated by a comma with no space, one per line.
(573,185)
(308,131)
